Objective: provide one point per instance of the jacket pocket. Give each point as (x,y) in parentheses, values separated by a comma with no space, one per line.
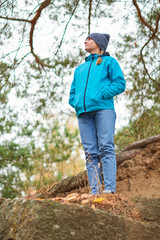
(96,95)
(78,101)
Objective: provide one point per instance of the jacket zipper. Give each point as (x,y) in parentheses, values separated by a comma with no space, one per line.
(87,83)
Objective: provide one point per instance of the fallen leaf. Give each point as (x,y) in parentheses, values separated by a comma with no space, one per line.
(93,206)
(58,199)
(85,201)
(97,200)
(70,198)
(85,195)
(73,195)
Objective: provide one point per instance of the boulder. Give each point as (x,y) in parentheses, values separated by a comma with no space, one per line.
(45,219)
(67,211)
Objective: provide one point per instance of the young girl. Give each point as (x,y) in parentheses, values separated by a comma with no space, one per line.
(96,82)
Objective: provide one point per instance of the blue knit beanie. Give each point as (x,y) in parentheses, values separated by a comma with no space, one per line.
(102,40)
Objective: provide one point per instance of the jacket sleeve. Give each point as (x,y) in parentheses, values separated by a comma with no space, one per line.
(72,93)
(117,82)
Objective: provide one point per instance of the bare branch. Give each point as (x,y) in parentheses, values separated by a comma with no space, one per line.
(15,19)
(141,52)
(142,19)
(33,23)
(154,31)
(65,29)
(13,52)
(157,22)
(140,16)
(89,16)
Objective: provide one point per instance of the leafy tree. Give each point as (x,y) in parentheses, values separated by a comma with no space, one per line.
(56,157)
(143,77)
(46,74)
(146,125)
(33,167)
(13,160)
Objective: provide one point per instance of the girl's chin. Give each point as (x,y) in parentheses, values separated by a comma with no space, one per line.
(87,50)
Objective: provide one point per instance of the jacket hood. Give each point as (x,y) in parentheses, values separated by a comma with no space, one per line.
(96,55)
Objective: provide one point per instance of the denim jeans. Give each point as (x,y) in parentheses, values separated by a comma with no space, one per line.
(97,136)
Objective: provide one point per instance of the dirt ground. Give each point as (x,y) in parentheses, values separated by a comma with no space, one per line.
(136,177)
(140,176)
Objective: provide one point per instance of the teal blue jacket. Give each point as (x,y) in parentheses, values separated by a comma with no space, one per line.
(94,86)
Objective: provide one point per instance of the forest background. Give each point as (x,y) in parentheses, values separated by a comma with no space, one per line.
(41,44)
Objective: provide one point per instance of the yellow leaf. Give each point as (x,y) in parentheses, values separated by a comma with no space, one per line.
(97,200)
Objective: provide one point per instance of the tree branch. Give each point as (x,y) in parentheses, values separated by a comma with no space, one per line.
(141,52)
(143,21)
(154,31)
(15,19)
(89,16)
(60,44)
(142,143)
(144,64)
(33,23)
(140,16)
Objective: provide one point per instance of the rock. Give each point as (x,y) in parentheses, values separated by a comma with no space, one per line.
(133,213)
(44,219)
(149,209)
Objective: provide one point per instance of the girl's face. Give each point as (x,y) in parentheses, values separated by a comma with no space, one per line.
(91,46)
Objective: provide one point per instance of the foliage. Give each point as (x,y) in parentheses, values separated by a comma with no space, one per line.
(56,159)
(39,166)
(41,43)
(146,125)
(143,77)
(14,159)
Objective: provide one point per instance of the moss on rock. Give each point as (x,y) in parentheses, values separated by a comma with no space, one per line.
(45,219)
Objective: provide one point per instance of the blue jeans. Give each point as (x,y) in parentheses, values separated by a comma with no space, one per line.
(97,136)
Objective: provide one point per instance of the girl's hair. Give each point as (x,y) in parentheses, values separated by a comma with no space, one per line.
(99,60)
